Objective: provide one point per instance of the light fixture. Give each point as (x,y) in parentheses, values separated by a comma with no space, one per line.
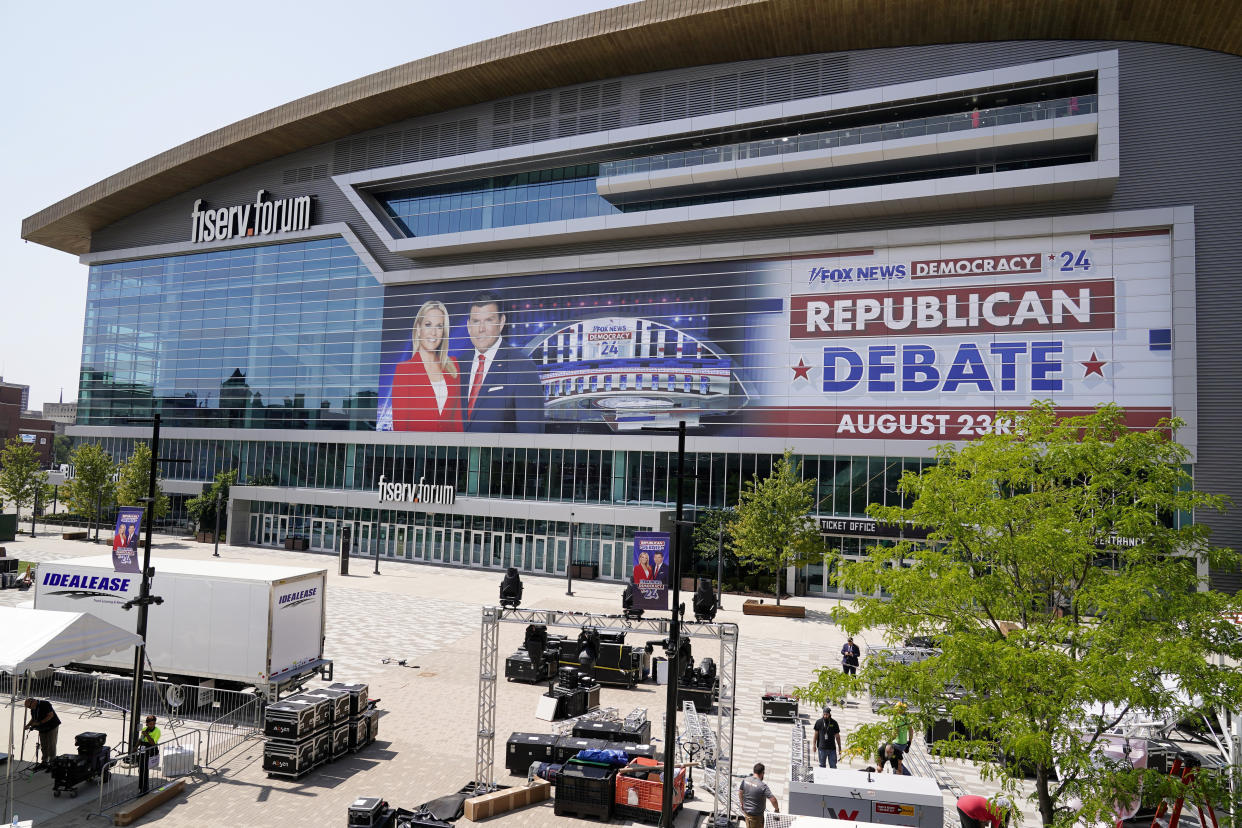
(511,589)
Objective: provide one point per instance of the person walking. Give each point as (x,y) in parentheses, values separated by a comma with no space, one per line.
(850,654)
(45,722)
(977,812)
(828,738)
(755,794)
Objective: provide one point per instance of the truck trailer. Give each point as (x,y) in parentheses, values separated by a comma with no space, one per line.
(221,624)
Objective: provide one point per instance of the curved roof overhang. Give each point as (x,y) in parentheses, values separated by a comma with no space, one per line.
(641,37)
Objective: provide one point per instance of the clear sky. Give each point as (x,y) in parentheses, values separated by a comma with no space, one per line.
(91,88)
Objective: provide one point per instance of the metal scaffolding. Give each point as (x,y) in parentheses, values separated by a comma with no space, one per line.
(726,670)
(484,779)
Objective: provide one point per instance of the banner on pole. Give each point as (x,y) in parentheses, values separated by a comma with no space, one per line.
(125,539)
(650,574)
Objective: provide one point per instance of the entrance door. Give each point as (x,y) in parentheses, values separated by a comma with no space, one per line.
(519,552)
(283,530)
(562,550)
(605,560)
(476,541)
(459,540)
(329,535)
(316,536)
(437,545)
(254,528)
(498,546)
(364,540)
(540,545)
(400,538)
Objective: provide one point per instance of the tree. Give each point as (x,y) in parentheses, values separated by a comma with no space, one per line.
(709,529)
(62,448)
(1061,585)
(202,509)
(20,475)
(774,529)
(92,485)
(134,482)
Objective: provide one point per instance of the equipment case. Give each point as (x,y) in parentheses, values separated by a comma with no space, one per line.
(524,749)
(289,720)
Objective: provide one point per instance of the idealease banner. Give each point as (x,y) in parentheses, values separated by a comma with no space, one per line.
(125,539)
(924,342)
(650,573)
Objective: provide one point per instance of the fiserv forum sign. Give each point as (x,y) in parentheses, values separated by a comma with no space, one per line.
(262,218)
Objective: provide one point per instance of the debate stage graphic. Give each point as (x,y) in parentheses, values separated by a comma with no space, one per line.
(925,343)
(659,345)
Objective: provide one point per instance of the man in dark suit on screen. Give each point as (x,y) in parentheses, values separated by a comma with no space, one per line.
(502,389)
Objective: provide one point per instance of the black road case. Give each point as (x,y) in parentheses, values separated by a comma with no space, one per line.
(290,759)
(358,696)
(290,720)
(524,749)
(567,747)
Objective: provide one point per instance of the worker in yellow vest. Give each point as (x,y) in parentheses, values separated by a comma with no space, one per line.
(148,752)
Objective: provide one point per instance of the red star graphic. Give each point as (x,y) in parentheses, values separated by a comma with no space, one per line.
(801,370)
(1051,256)
(1094,365)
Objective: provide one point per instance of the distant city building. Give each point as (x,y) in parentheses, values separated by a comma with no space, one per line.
(26,426)
(61,413)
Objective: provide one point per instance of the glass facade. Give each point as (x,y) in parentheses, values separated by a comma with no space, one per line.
(504,201)
(611,477)
(892,130)
(279,336)
(563,193)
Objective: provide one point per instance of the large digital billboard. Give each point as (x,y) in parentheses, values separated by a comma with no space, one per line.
(917,342)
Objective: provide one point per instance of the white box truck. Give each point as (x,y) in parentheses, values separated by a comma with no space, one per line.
(238,625)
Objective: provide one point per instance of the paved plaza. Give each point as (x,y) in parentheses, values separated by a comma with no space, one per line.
(429,617)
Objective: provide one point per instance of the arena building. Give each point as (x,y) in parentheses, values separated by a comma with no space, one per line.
(450,310)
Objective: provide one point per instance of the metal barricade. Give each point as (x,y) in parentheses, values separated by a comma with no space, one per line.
(99,694)
(231,729)
(119,782)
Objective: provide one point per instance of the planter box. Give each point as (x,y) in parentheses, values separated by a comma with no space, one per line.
(203,537)
(584,572)
(784,610)
(77,534)
(295,544)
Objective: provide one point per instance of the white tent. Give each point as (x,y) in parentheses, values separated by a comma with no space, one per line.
(37,639)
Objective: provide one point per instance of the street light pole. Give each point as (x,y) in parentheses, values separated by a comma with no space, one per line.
(674,642)
(216,534)
(720,566)
(376,541)
(144,600)
(34,508)
(98,512)
(569,558)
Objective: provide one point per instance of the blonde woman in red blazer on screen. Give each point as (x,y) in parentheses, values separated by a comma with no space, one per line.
(426,388)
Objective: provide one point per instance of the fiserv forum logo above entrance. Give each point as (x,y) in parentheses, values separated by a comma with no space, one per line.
(261,218)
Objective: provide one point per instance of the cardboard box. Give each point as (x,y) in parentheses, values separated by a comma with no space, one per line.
(507,799)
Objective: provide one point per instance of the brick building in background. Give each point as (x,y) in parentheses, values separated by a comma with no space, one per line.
(16,421)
